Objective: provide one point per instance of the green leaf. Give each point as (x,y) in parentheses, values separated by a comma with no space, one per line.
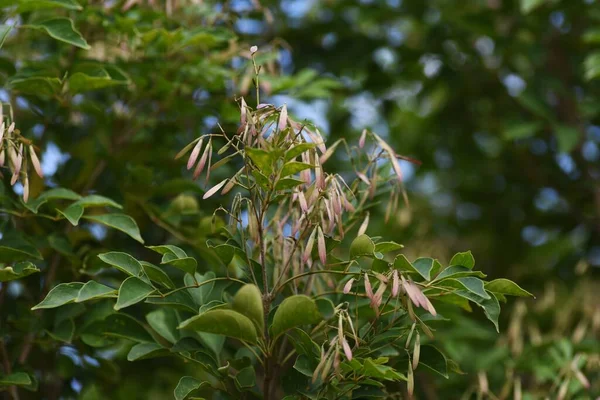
(386,247)
(200,294)
(294,311)
(473,285)
(186,386)
(362,246)
(52,194)
(164,321)
(293,167)
(80,82)
(458,271)
(72,213)
(529,5)
(94,290)
(287,183)
(157,275)
(168,249)
(506,287)
(298,149)
(123,262)
(36,85)
(248,302)
(591,66)
(381,372)
(434,360)
(15,248)
(17,271)
(16,379)
(122,326)
(180,300)
(59,295)
(132,291)
(187,264)
(33,5)
(424,266)
(4,31)
(246,378)
(465,259)
(223,322)
(568,137)
(122,222)
(490,306)
(143,351)
(326,307)
(63,331)
(95,200)
(61,29)
(262,159)
(522,130)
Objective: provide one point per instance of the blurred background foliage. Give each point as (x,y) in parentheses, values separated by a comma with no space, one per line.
(498,100)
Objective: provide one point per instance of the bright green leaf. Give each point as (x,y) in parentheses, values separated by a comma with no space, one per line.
(33,5)
(15,379)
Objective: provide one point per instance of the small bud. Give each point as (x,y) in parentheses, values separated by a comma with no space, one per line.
(364,226)
(348,286)
(202,163)
(194,155)
(309,246)
(253,49)
(35,162)
(363,137)
(214,189)
(321,246)
(347,349)
(395,283)
(368,288)
(25,188)
(416,352)
(302,201)
(283,116)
